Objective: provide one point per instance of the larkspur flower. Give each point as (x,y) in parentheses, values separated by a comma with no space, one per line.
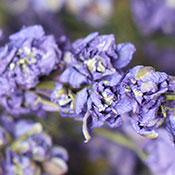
(95,57)
(160,154)
(95,13)
(29,55)
(142,88)
(65,99)
(23,102)
(29,144)
(154,16)
(18,164)
(96,105)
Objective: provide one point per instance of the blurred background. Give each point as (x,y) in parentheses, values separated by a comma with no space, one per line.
(148,24)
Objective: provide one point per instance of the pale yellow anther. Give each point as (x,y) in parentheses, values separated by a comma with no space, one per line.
(91,64)
(152,135)
(141,73)
(101,67)
(137,93)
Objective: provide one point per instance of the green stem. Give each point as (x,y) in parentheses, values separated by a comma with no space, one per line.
(122,140)
(47,102)
(46,85)
(170,96)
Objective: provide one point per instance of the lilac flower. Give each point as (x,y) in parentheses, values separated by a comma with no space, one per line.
(7,84)
(18,164)
(29,55)
(65,99)
(95,57)
(95,13)
(30,144)
(142,88)
(101,105)
(37,55)
(58,151)
(96,105)
(31,141)
(153,16)
(161,155)
(47,6)
(22,102)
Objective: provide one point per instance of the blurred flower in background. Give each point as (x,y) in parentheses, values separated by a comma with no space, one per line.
(28,150)
(154,15)
(93,12)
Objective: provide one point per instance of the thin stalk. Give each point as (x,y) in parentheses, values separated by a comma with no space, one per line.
(121,140)
(170,96)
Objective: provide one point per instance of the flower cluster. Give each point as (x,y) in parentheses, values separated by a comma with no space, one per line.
(25,144)
(93,12)
(30,55)
(90,85)
(94,88)
(94,58)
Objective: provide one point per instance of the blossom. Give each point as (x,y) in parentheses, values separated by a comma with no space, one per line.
(22,102)
(64,98)
(143,88)
(29,55)
(29,144)
(101,105)
(18,164)
(94,58)
(154,16)
(160,154)
(95,13)
(96,105)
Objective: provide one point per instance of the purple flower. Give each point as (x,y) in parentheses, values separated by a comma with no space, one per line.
(96,105)
(7,84)
(38,146)
(161,154)
(29,144)
(95,57)
(22,102)
(65,99)
(95,13)
(153,16)
(29,55)
(142,91)
(18,164)
(101,105)
(58,151)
